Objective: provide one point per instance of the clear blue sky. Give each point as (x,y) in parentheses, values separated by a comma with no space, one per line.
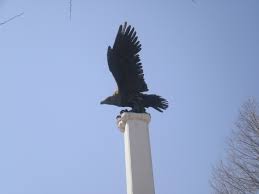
(55,137)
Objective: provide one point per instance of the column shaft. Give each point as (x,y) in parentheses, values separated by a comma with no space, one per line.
(139,174)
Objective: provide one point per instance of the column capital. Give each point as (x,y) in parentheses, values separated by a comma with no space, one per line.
(126,116)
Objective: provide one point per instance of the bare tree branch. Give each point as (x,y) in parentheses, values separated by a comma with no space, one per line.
(10,19)
(239,173)
(70,9)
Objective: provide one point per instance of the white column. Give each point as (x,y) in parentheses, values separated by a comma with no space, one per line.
(139,173)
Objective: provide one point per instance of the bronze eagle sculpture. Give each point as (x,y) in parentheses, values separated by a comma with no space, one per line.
(126,68)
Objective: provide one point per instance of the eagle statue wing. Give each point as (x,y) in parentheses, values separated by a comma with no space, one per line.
(124,61)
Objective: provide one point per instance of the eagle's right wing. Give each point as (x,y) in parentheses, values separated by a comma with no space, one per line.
(124,62)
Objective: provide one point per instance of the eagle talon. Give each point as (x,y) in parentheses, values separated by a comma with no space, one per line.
(123,111)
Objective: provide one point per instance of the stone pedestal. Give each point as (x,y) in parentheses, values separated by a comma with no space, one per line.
(139,173)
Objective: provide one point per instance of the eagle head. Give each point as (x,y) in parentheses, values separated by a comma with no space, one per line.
(112,100)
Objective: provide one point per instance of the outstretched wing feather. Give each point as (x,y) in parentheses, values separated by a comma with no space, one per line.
(124,61)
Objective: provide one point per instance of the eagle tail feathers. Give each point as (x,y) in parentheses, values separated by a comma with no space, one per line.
(156,102)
